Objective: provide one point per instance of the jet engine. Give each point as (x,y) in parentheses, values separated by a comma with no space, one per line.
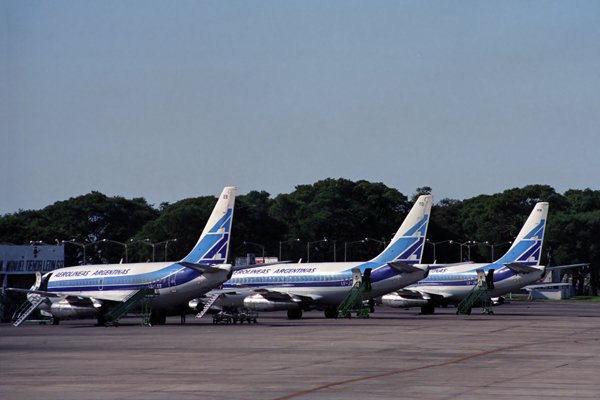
(395,300)
(258,303)
(64,310)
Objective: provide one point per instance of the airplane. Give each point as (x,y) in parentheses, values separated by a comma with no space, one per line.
(323,286)
(451,283)
(90,291)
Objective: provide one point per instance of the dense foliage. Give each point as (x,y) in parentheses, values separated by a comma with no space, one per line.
(342,211)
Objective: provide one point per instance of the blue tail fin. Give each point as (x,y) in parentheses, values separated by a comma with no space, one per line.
(407,244)
(527,248)
(213,245)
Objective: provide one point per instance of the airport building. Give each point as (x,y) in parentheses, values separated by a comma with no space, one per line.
(18,265)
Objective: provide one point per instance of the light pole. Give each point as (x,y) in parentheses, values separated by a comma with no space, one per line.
(346,247)
(286,241)
(499,244)
(122,244)
(84,245)
(487,243)
(461,246)
(435,244)
(166,242)
(383,242)
(147,241)
(308,248)
(259,245)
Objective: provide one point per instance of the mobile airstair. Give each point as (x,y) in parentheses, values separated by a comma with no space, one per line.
(143,295)
(481,293)
(354,300)
(208,304)
(27,309)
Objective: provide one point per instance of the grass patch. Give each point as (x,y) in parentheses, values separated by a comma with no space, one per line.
(593,299)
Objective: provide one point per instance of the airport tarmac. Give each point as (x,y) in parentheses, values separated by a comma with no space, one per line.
(529,350)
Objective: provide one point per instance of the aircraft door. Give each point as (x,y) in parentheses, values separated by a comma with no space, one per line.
(38,280)
(101,283)
(356,276)
(367,278)
(490,279)
(480,276)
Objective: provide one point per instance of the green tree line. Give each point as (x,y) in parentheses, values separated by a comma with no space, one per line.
(340,210)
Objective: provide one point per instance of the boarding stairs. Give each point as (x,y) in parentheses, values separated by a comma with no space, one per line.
(480,293)
(23,315)
(143,295)
(207,305)
(354,300)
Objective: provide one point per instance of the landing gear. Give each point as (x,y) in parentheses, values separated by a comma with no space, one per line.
(157,318)
(428,309)
(54,321)
(294,314)
(331,312)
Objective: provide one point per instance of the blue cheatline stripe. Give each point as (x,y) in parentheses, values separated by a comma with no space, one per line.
(340,279)
(161,277)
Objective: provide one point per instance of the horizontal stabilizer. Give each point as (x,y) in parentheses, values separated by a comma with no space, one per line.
(200,267)
(567,266)
(520,268)
(402,267)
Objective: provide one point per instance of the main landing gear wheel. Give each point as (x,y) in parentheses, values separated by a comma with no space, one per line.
(157,318)
(294,314)
(331,312)
(428,309)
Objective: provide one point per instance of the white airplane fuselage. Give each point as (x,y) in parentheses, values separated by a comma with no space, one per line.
(324,284)
(452,284)
(175,285)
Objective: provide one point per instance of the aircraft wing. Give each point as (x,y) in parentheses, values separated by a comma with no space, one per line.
(402,267)
(73,299)
(546,285)
(422,294)
(566,266)
(276,295)
(40,292)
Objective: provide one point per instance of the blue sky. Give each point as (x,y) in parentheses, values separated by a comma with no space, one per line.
(170,100)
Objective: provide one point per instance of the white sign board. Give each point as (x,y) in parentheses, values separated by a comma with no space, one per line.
(19,260)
